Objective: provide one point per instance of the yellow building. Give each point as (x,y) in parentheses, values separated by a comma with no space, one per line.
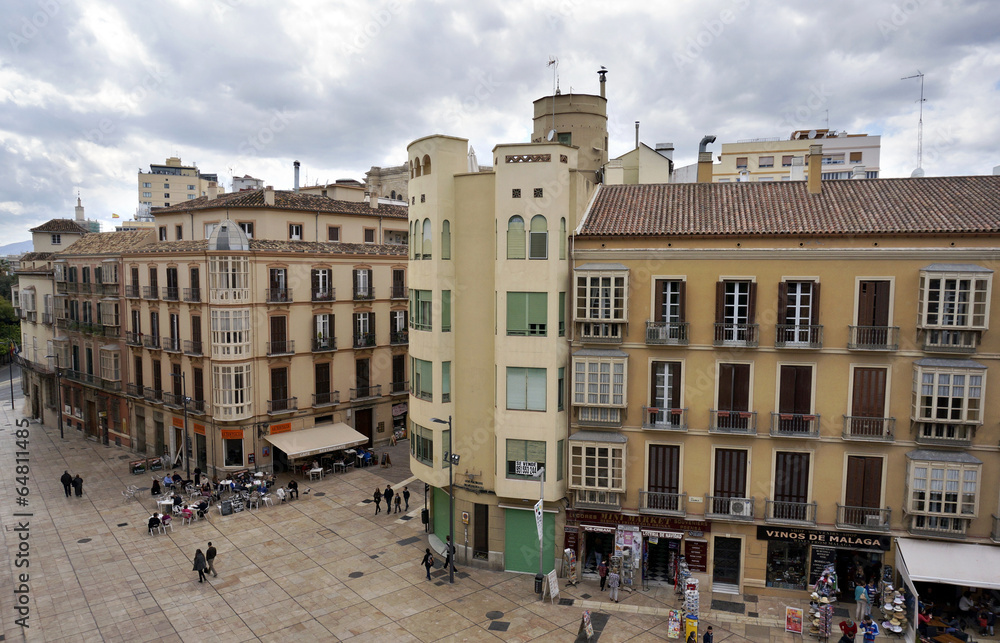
(171,183)
(723,409)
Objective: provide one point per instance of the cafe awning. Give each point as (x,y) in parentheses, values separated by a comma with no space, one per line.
(319,439)
(960,564)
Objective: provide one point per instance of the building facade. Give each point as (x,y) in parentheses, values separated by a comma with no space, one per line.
(171,183)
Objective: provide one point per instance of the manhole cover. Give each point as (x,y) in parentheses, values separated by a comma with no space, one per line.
(319,493)
(84,540)
(584,596)
(123,524)
(355,574)
(407,518)
(499,626)
(566,602)
(494,615)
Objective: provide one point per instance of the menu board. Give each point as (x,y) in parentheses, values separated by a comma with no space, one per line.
(696,555)
(155,464)
(822,557)
(137,467)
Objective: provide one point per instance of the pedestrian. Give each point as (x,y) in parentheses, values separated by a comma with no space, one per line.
(406,498)
(449,553)
(602,571)
(387,494)
(200,564)
(293,489)
(67,482)
(399,503)
(78,485)
(613,581)
(428,561)
(870,629)
(377,497)
(155,489)
(861,602)
(848,629)
(197,476)
(709,637)
(210,558)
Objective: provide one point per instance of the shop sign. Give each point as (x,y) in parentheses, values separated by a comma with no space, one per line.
(199,429)
(668,535)
(601,529)
(178,422)
(398,409)
(284,427)
(642,521)
(232,434)
(824,538)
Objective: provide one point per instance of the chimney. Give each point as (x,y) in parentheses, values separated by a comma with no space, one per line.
(858,172)
(637,135)
(798,171)
(213,190)
(815,159)
(602,72)
(614,172)
(268,195)
(705,160)
(666,150)
(296,166)
(373,200)
(79,209)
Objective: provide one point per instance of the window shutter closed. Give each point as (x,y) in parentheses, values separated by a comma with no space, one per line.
(536,389)
(720,302)
(682,299)
(516,388)
(783,302)
(516,312)
(815,304)
(658,300)
(752,303)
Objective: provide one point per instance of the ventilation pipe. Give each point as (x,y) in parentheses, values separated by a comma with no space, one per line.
(213,190)
(637,135)
(602,73)
(296,166)
(815,160)
(705,160)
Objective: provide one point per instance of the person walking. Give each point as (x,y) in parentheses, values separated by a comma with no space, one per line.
(67,482)
(860,602)
(406,498)
(78,485)
(399,503)
(869,629)
(377,497)
(200,564)
(614,580)
(602,571)
(210,554)
(449,553)
(387,494)
(709,636)
(428,561)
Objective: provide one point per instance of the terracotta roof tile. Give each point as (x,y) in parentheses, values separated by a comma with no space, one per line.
(60,225)
(35,256)
(955,205)
(275,245)
(104,243)
(286,200)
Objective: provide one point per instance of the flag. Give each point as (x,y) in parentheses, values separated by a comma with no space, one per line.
(115,216)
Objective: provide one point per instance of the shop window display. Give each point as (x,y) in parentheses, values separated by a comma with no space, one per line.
(786,565)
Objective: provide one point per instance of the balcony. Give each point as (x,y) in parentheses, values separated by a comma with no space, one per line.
(287,405)
(869,518)
(133,339)
(737,335)
(660,419)
(364,392)
(995,534)
(399,337)
(596,499)
(938,526)
(661,503)
(950,341)
(111,330)
(364,294)
(192,347)
(286,347)
(364,340)
(152,394)
(399,292)
(149,292)
(873,338)
(173,399)
(324,344)
(324,294)
(794,425)
(151,342)
(868,428)
(789,512)
(133,390)
(601,333)
(732,422)
(171,293)
(278,295)
(957,435)
(192,295)
(171,344)
(399,388)
(197,407)
(599,416)
(81,377)
(723,508)
(329,398)
(47,318)
(667,333)
(792,336)
(114,386)
(109,289)
(131,291)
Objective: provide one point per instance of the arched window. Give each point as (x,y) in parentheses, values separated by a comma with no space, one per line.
(562,238)
(515,238)
(416,167)
(393,193)
(413,241)
(427,164)
(446,239)
(538,246)
(425,249)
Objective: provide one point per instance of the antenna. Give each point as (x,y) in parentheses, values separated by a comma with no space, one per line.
(920,123)
(554,63)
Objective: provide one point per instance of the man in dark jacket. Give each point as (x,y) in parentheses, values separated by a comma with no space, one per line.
(67,482)
(387,496)
(78,485)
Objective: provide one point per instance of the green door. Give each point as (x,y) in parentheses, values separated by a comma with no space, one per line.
(521,541)
(441,512)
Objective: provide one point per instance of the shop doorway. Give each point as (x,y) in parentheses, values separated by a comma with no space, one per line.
(726,559)
(853,566)
(363,424)
(596,545)
(202,448)
(481,533)
(661,560)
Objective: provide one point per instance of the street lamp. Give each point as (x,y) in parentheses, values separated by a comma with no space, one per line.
(187,442)
(452,459)
(540,579)
(59,396)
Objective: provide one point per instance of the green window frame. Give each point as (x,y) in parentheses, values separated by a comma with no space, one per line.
(446,381)
(445,311)
(421,307)
(524,451)
(527,313)
(446,239)
(515,238)
(525,389)
(422,372)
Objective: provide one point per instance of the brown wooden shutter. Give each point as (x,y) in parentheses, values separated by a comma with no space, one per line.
(322,378)
(730,473)
(720,302)
(675,389)
(815,304)
(782,302)
(791,477)
(863,486)
(663,468)
(657,315)
(741,387)
(654,369)
(881,303)
(726,387)
(682,299)
(868,397)
(752,303)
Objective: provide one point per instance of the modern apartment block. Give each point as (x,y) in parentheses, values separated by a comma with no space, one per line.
(171,183)
(773,377)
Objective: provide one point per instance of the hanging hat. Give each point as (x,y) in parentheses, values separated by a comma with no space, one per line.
(899,608)
(824,600)
(898,600)
(894,621)
(814,596)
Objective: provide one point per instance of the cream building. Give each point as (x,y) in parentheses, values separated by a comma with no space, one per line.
(171,183)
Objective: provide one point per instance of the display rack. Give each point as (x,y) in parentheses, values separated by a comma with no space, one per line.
(570,567)
(627,572)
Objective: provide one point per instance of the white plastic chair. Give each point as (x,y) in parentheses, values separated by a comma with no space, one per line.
(254,500)
(165,524)
(267,500)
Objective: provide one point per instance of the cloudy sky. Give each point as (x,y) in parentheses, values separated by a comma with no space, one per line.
(90,92)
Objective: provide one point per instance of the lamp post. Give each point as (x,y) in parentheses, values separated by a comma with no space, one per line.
(540,579)
(451,502)
(187,442)
(58,396)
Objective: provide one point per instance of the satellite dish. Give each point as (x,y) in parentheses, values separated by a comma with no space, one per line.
(551,135)
(812,133)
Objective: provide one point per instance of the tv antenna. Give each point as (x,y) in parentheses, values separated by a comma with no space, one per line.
(554,64)
(920,123)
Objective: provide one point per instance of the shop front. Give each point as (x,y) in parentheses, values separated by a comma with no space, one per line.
(399,413)
(651,545)
(796,558)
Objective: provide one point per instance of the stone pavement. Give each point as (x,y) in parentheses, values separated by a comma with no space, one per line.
(322,568)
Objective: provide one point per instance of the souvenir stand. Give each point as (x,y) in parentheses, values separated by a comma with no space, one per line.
(628,548)
(893,604)
(823,597)
(570,567)
(681,576)
(692,603)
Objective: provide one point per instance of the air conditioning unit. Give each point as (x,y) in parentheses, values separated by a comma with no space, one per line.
(873,520)
(740,507)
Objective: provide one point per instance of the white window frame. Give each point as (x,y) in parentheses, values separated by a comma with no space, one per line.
(600,381)
(231,390)
(111,369)
(229,279)
(602,296)
(943,307)
(930,381)
(231,333)
(929,502)
(586,470)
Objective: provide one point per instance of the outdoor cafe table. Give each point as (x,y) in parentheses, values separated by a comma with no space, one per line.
(316,473)
(165,505)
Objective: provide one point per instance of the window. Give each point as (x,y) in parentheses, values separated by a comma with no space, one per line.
(209,229)
(109,314)
(425,246)
(733,395)
(364,330)
(191,196)
(942,494)
(525,389)
(538,239)
(798,314)
(741,162)
(446,381)
(947,402)
(445,311)
(560,457)
(786,160)
(855,157)
(601,296)
(515,238)
(795,400)
(111,365)
(147,195)
(954,299)
(669,304)
(247,228)
(280,400)
(561,390)
(230,332)
(521,455)
(598,466)
(295,231)
(527,313)
(333,233)
(229,278)
(234,451)
(665,394)
(56,239)
(422,444)
(422,373)
(562,238)
(166,195)
(565,138)
(320,281)
(190,187)
(420,309)
(446,239)
(765,161)
(562,314)
(363,284)
(735,312)
(322,326)
(599,387)
(231,390)
(147,184)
